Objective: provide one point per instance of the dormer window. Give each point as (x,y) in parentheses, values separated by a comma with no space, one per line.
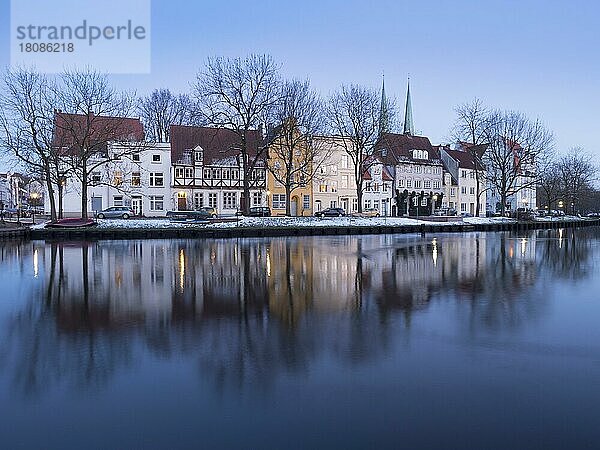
(384,152)
(198,154)
(420,154)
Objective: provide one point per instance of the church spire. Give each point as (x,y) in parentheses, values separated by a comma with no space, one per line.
(409,127)
(384,111)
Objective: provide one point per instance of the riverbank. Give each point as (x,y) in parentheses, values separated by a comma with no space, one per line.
(286,226)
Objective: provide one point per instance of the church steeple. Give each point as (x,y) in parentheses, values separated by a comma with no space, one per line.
(384,111)
(409,127)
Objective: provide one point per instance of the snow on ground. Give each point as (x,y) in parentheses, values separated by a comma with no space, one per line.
(293,222)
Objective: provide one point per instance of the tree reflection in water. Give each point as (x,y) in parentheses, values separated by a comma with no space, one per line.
(250,309)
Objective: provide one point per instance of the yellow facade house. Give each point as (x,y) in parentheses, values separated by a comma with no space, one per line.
(290,172)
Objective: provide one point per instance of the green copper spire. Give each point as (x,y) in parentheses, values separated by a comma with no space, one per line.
(384,111)
(409,127)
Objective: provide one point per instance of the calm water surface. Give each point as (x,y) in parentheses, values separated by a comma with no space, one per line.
(448,341)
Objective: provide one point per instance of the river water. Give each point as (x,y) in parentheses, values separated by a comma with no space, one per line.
(477,340)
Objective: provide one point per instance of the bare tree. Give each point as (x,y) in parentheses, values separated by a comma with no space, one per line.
(160,110)
(240,94)
(27,126)
(471,128)
(353,114)
(549,188)
(577,175)
(294,154)
(92,118)
(518,151)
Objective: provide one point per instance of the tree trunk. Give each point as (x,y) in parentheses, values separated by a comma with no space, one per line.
(288,197)
(84,188)
(60,199)
(50,196)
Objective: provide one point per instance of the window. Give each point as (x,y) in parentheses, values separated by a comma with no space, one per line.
(198,200)
(229,200)
(367,204)
(436,185)
(212,200)
(427,184)
(157,179)
(368,186)
(118,200)
(157,203)
(333,204)
(334,186)
(278,201)
(386,187)
(472,191)
(344,181)
(207,173)
(156,158)
(198,156)
(96,177)
(409,183)
(463,190)
(334,170)
(318,205)
(417,184)
(463,173)
(135,157)
(354,204)
(178,172)
(463,207)
(226,174)
(189,172)
(136,179)
(118,178)
(256,198)
(452,192)
(344,161)
(400,183)
(322,188)
(306,201)
(215,173)
(376,204)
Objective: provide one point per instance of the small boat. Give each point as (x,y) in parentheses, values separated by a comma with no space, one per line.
(72,223)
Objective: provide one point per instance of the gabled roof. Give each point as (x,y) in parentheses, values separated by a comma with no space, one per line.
(73,129)
(399,147)
(464,159)
(217,143)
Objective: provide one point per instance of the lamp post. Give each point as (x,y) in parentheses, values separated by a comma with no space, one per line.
(33,196)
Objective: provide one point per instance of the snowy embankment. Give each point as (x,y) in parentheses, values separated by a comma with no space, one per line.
(301,222)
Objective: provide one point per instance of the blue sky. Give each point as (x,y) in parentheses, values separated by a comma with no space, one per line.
(540,57)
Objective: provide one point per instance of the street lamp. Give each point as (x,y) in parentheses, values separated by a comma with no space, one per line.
(33,196)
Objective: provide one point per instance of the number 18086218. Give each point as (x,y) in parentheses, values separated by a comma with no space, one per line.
(42,47)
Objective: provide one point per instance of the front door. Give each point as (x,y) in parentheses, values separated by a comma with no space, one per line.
(136,205)
(294,207)
(345,204)
(181,201)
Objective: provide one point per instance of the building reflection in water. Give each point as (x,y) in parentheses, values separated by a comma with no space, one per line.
(251,307)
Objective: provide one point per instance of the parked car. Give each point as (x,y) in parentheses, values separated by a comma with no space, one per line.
(444,212)
(259,211)
(371,212)
(331,212)
(466,214)
(199,214)
(594,215)
(116,212)
(212,212)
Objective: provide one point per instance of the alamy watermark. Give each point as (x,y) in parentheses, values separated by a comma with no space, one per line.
(111,36)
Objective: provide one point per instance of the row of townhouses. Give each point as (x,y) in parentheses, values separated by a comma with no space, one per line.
(202,167)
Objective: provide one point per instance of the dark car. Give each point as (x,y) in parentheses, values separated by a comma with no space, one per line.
(200,214)
(116,212)
(256,211)
(331,212)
